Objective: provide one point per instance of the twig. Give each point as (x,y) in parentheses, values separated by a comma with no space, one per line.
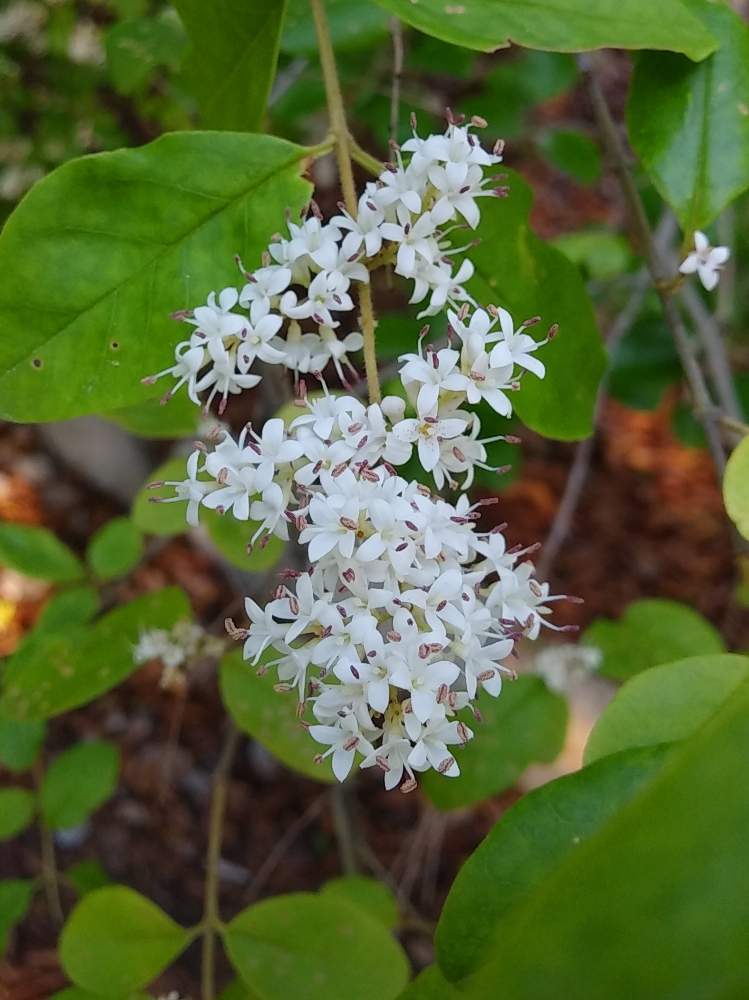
(344,827)
(340,132)
(396,30)
(708,331)
(211,915)
(50,876)
(660,274)
(282,845)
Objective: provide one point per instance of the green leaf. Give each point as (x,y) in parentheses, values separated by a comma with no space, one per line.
(150,419)
(430,984)
(666,704)
(736,487)
(270,717)
(77,782)
(655,904)
(86,876)
(136,47)
(115,548)
(351,26)
(16,811)
(76,993)
(232,60)
(573,153)
(56,672)
(517,270)
(228,535)
(15,897)
(601,253)
(689,124)
(644,364)
(314,946)
(561,25)
(650,632)
(37,552)
(366,894)
(237,990)
(116,940)
(526,723)
(19,743)
(528,842)
(101,251)
(67,609)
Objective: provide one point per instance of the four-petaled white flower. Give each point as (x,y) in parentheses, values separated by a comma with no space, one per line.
(706,260)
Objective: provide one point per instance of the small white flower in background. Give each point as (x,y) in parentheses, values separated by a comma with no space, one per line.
(175,648)
(563,667)
(707,261)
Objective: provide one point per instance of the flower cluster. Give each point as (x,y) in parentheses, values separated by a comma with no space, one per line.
(408,610)
(185,642)
(291,308)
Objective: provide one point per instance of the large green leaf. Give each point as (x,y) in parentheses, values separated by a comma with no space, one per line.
(526,844)
(736,487)
(37,552)
(351,26)
(270,717)
(559,25)
(315,946)
(228,535)
(654,905)
(150,419)
(15,896)
(116,941)
(517,270)
(667,703)
(16,810)
(689,124)
(366,894)
(77,782)
(58,671)
(101,251)
(232,59)
(430,984)
(136,46)
(650,632)
(526,723)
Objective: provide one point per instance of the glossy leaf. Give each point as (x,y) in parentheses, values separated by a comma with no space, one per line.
(667,703)
(19,743)
(151,419)
(654,905)
(736,487)
(366,894)
(517,270)
(689,123)
(115,549)
(228,535)
(60,671)
(601,253)
(270,717)
(116,940)
(525,724)
(136,46)
(232,60)
(36,552)
(562,25)
(537,833)
(15,897)
(650,632)
(315,946)
(16,811)
(430,984)
(66,609)
(86,876)
(88,287)
(77,782)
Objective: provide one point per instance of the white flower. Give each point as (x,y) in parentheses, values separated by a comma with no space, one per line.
(431,742)
(427,431)
(415,239)
(216,321)
(256,341)
(343,741)
(437,372)
(265,285)
(515,347)
(707,261)
(327,294)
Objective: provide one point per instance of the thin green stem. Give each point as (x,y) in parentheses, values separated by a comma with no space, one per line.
(343,151)
(364,159)
(211,917)
(344,827)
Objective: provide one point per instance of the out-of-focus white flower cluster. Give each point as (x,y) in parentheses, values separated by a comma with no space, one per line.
(290,309)
(175,648)
(407,610)
(564,667)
